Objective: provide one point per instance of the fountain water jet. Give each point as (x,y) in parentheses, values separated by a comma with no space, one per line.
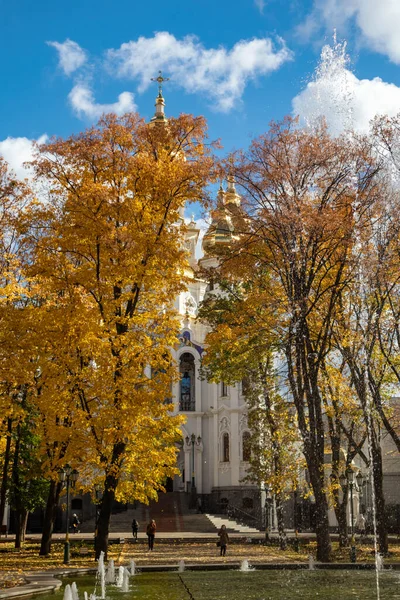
(120,577)
(245,567)
(101,575)
(132,567)
(68,592)
(110,576)
(181,566)
(379,561)
(74,591)
(330,95)
(367,400)
(125,580)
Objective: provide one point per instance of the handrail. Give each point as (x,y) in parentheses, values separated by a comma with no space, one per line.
(233,509)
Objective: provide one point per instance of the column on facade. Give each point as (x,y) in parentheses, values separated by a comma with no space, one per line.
(175,394)
(199,457)
(215,449)
(235,448)
(197,391)
(188,464)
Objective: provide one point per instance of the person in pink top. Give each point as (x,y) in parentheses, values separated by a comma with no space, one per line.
(151,532)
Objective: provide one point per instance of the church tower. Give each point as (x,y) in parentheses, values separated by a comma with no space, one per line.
(159,116)
(213,458)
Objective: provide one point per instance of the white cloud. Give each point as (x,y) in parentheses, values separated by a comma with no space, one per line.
(378,22)
(70,55)
(344,100)
(218,73)
(84,105)
(17,151)
(260,4)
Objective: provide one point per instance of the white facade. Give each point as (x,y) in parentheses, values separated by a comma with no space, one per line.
(216,413)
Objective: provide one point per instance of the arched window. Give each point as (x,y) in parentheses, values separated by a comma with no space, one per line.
(246,448)
(225,447)
(224,389)
(187,384)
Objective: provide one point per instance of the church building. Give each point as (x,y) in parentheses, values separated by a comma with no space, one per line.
(215,450)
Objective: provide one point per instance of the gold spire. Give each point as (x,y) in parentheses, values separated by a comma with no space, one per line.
(159,116)
(231,195)
(220,196)
(220,232)
(160,80)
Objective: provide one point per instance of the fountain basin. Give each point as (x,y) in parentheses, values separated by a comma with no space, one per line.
(259,584)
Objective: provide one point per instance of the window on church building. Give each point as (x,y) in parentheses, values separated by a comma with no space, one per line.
(224,389)
(187,382)
(246,449)
(225,447)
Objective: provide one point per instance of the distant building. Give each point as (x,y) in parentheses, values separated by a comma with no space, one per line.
(215,437)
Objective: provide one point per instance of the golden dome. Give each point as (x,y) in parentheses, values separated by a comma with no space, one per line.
(221,232)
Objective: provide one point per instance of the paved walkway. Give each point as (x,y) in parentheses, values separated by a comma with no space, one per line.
(183,535)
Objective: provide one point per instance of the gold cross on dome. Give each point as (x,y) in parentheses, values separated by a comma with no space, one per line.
(160,79)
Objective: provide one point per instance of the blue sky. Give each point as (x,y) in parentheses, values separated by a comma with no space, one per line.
(240,63)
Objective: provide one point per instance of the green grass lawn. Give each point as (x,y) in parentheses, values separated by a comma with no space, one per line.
(14,563)
(255,585)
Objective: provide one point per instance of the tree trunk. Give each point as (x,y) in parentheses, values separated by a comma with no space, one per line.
(4,480)
(281,523)
(340,512)
(103,522)
(21,519)
(322,528)
(303,381)
(49,517)
(19,512)
(110,485)
(324,547)
(381,528)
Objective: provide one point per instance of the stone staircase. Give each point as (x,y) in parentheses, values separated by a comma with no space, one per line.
(231,525)
(171,513)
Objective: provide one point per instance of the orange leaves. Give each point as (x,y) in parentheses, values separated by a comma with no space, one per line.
(108,263)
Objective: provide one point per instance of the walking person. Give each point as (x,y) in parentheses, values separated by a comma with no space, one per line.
(151,532)
(224,540)
(135,529)
(75,523)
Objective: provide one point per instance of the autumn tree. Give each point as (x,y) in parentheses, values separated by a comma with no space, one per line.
(108,262)
(299,201)
(27,488)
(242,349)
(346,434)
(15,369)
(364,337)
(384,285)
